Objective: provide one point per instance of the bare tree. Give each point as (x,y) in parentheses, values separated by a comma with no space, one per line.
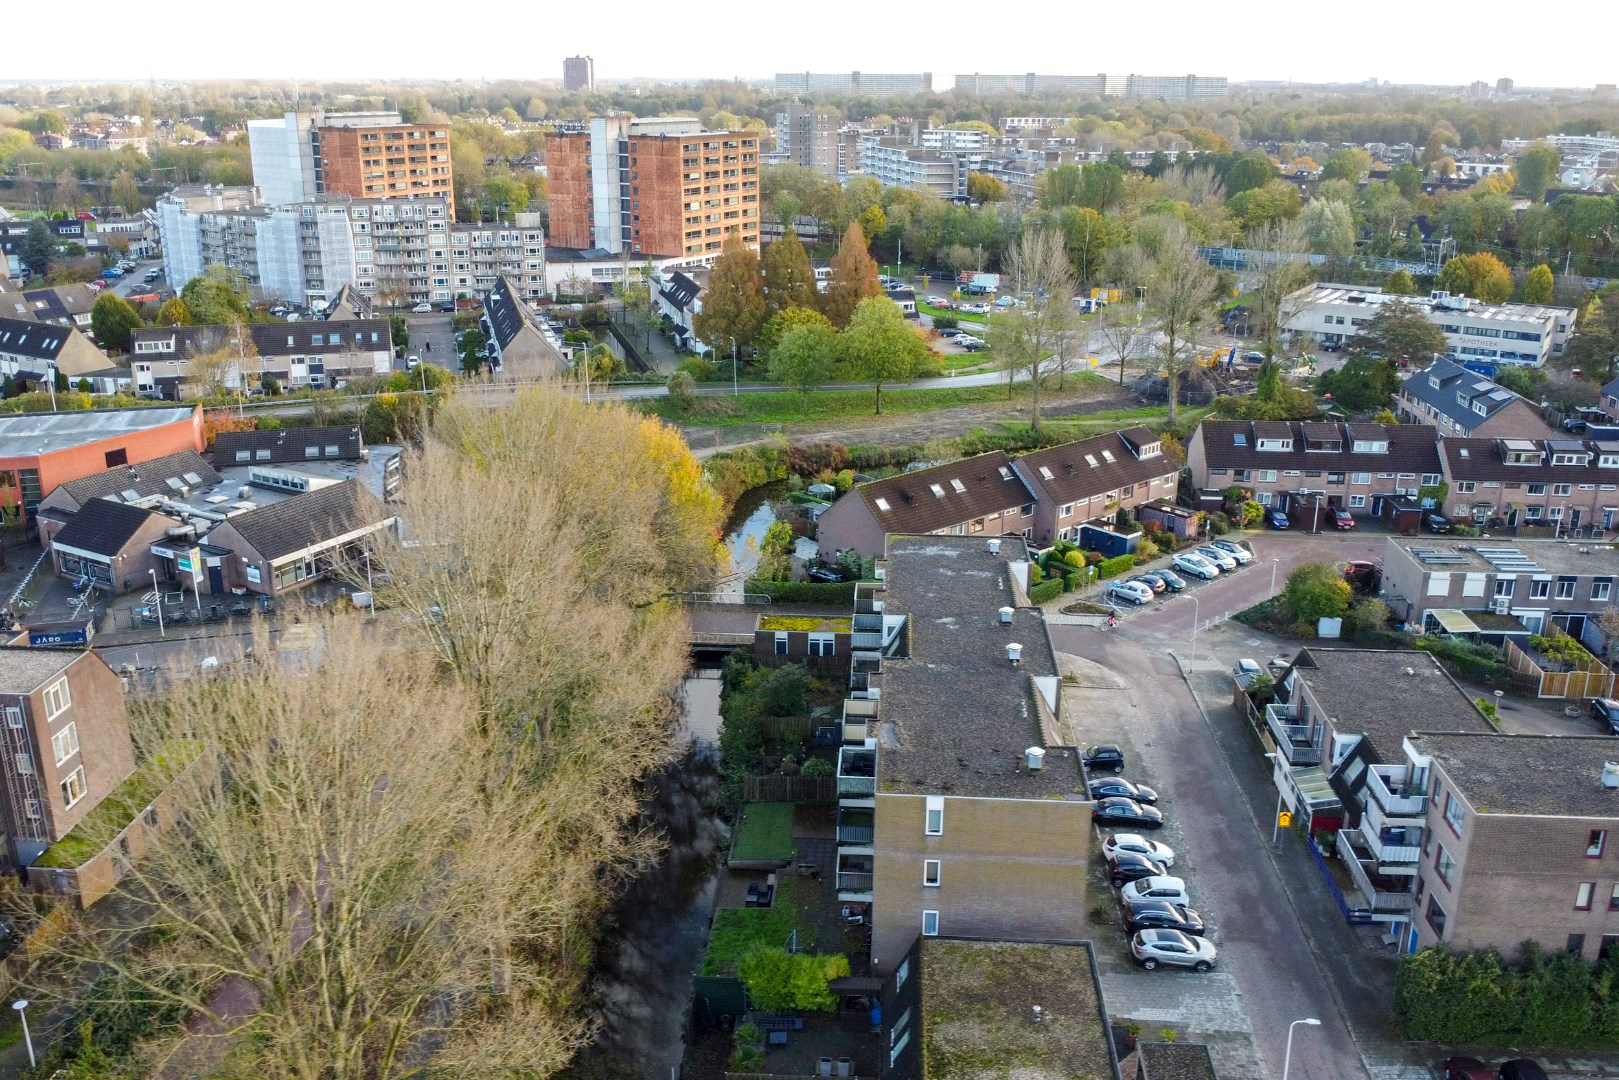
(1279,267)
(1180,294)
(1029,337)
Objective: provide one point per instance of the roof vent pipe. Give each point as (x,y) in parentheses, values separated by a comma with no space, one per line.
(1014,652)
(1034,757)
(994,547)
(1610,774)
(1006,616)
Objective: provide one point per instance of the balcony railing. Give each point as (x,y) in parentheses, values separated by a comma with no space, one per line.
(857,771)
(1294,739)
(866,640)
(1380,894)
(1394,794)
(1391,847)
(854,882)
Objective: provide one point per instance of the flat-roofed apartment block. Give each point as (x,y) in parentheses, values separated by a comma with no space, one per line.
(653,186)
(960,812)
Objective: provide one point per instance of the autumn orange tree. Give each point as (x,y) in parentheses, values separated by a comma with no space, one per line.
(854,278)
(734,302)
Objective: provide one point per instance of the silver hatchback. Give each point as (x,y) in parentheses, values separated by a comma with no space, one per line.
(1172,948)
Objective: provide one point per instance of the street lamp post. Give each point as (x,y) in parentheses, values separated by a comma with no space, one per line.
(734,390)
(1194,627)
(1287,1058)
(21,1005)
(1276,822)
(157,597)
(1274,563)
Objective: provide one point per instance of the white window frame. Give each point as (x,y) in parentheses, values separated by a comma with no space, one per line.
(65,743)
(57,698)
(931,825)
(930,923)
(1357,500)
(932,871)
(73,781)
(14,717)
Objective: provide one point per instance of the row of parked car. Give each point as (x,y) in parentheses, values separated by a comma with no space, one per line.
(1206,563)
(1163,930)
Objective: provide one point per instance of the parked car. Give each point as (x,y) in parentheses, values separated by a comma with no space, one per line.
(1140,845)
(1224,560)
(828,575)
(1154,947)
(112,273)
(448,305)
(1245,671)
(1133,591)
(1343,519)
(1118,788)
(1103,757)
(941,302)
(1607,711)
(412,363)
(1152,581)
(1162,915)
(1173,583)
(1436,523)
(1465,1068)
(1522,1069)
(1195,565)
(1170,889)
(970,343)
(951,332)
(1127,866)
(1277,520)
(1253,357)
(422,308)
(1233,549)
(1331,346)
(1126,812)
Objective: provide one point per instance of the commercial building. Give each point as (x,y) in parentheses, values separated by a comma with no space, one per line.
(1562,484)
(579,73)
(977,822)
(320,354)
(1290,464)
(40,451)
(67,744)
(895,162)
(1522,335)
(654,186)
(1461,402)
(373,155)
(854,82)
(979,496)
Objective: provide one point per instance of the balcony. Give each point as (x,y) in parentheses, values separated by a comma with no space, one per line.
(1295,737)
(1382,894)
(856,825)
(859,714)
(855,873)
(1391,848)
(1397,795)
(857,769)
(866,639)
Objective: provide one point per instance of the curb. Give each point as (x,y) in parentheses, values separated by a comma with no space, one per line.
(1272,855)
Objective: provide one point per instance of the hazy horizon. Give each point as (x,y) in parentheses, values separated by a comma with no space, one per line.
(300,39)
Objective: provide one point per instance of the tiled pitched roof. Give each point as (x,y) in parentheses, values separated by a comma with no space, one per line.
(288,445)
(303,520)
(1456,380)
(681,291)
(929,499)
(147,478)
(507,314)
(103,526)
(33,340)
(1481,459)
(1230,444)
(1094,466)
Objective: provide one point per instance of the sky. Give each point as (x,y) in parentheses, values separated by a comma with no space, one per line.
(1394,40)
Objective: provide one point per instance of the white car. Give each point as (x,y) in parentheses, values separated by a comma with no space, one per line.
(1172,889)
(1153,948)
(937,301)
(1234,549)
(1137,844)
(422,307)
(1223,560)
(1245,671)
(1196,565)
(1133,591)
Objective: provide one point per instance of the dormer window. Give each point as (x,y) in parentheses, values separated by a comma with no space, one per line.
(1608,461)
(1461,398)
(1151,449)
(1371,446)
(1433,381)
(1570,459)
(1275,444)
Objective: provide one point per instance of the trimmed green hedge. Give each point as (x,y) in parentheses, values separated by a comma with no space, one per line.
(1117,565)
(805,592)
(1046,590)
(1476,998)
(1075,580)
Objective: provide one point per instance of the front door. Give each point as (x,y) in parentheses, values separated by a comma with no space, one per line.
(1574,518)
(216,579)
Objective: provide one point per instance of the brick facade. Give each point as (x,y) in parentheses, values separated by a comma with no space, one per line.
(392,162)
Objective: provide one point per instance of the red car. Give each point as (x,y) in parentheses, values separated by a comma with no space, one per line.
(1466,1068)
(1343,519)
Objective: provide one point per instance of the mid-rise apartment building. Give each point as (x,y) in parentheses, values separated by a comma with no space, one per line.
(1521,335)
(959,813)
(809,137)
(373,155)
(854,82)
(895,162)
(955,139)
(654,186)
(1133,87)
(579,73)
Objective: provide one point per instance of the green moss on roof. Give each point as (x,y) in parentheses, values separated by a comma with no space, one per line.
(114,813)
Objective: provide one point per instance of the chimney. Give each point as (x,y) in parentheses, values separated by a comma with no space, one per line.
(1014,652)
(994,545)
(1034,757)
(1006,616)
(1610,774)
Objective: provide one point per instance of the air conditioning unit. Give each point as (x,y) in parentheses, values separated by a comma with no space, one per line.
(1501,604)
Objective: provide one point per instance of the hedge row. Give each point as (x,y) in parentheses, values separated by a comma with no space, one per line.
(1119,564)
(1478,999)
(1046,590)
(805,592)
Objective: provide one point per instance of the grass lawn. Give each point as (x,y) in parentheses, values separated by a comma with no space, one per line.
(765,832)
(929,309)
(965,360)
(739,931)
(780,407)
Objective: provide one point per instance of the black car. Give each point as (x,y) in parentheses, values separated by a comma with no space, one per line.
(1522,1069)
(1103,757)
(1606,711)
(1127,866)
(1126,812)
(1117,788)
(1436,523)
(828,575)
(1162,915)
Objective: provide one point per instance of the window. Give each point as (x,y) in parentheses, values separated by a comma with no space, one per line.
(903,973)
(1601,588)
(1582,895)
(781,643)
(1595,843)
(31,809)
(1613,898)
(1438,584)
(930,924)
(13,717)
(1536,489)
(1430,479)
(1454,814)
(1610,942)
(1266,476)
(1565,587)
(1473,585)
(935,819)
(311,451)
(1067,509)
(117,457)
(1357,500)
(822,644)
(1503,586)
(25,764)
(1436,917)
(1360,478)
(1576,944)
(1028,509)
(73,787)
(930,871)
(66,743)
(1465,487)
(1445,866)
(1539,590)
(1562,489)
(57,698)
